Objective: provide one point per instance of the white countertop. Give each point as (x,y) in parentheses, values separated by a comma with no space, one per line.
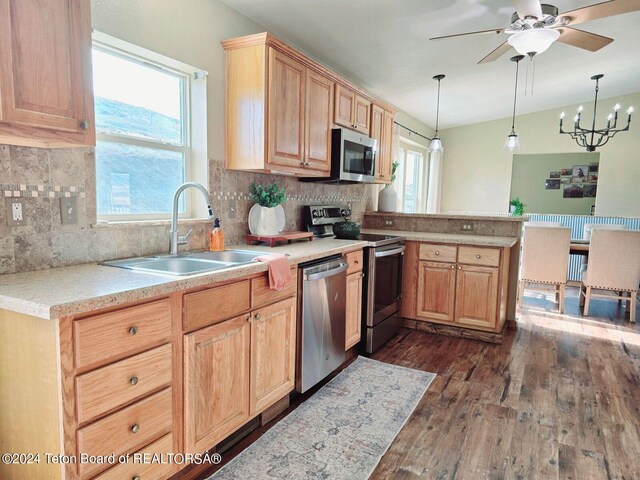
(59,292)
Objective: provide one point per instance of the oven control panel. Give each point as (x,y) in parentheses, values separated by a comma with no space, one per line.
(326,215)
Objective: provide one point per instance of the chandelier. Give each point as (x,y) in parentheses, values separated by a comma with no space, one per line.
(593,138)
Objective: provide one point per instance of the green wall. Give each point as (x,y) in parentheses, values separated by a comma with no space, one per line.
(528,177)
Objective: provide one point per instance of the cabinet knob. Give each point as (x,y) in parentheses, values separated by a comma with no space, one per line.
(362,275)
(257,316)
(437,253)
(478,256)
(452,267)
(84,125)
(133,380)
(459,268)
(135,428)
(133,330)
(137,477)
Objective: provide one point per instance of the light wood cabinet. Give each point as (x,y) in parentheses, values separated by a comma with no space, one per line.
(353,314)
(382,132)
(319,113)
(273,350)
(46,90)
(352,110)
(465,286)
(216,382)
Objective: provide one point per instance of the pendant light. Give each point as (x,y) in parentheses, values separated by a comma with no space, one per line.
(512,142)
(436,143)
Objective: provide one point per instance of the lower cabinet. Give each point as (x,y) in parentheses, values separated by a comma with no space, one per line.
(353,314)
(216,380)
(436,291)
(273,354)
(477,296)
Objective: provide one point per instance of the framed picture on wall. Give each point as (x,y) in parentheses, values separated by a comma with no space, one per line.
(573,190)
(554,174)
(566,171)
(552,184)
(565,179)
(579,173)
(593,177)
(590,190)
(593,167)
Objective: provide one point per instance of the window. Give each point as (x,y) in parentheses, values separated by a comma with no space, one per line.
(143,117)
(412,177)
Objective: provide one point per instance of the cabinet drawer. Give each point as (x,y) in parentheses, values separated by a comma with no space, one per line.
(261,294)
(127,430)
(216,304)
(144,471)
(117,334)
(437,253)
(109,387)
(489,257)
(355,260)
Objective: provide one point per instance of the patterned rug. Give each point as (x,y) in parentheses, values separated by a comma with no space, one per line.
(341,432)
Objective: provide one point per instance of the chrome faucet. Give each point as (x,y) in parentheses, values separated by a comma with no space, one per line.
(174,239)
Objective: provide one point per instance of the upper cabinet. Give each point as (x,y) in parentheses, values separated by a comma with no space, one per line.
(352,110)
(382,131)
(46,94)
(281,107)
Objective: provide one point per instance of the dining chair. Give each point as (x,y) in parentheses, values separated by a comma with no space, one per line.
(545,259)
(533,223)
(590,227)
(613,266)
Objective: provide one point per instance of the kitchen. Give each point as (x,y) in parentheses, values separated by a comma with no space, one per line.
(53,290)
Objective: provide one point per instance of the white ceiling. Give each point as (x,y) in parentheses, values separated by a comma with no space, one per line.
(383,45)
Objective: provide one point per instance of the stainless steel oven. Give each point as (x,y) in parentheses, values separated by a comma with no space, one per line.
(353,158)
(383,292)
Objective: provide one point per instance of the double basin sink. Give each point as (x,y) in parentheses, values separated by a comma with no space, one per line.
(187,263)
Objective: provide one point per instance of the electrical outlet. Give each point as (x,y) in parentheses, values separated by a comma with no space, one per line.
(69,210)
(467,227)
(16,214)
(388,223)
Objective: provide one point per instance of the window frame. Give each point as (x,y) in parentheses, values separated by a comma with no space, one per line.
(128,51)
(424,171)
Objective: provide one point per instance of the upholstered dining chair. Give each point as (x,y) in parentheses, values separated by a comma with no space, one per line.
(535,223)
(545,259)
(614,266)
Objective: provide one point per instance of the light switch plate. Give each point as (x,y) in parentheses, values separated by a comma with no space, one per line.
(69,210)
(16,214)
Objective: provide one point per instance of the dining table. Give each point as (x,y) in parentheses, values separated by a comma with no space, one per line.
(579,247)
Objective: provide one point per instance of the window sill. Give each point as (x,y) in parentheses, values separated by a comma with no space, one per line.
(148,223)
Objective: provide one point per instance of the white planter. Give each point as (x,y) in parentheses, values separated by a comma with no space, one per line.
(265,220)
(387,199)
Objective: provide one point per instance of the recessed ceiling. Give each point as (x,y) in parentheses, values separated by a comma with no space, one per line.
(383,46)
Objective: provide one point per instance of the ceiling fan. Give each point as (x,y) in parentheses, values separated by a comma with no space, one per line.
(535,26)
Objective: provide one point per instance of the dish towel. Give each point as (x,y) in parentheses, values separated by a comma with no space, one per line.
(279,272)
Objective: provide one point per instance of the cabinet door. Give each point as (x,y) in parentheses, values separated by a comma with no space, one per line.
(45,73)
(387,147)
(345,101)
(377,121)
(353,315)
(273,350)
(216,382)
(477,296)
(362,115)
(319,115)
(436,291)
(286,110)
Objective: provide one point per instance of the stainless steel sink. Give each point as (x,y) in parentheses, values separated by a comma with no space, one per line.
(186,263)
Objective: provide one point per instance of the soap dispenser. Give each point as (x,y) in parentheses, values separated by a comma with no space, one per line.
(216,237)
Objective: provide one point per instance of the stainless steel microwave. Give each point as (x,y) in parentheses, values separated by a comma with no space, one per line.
(353,158)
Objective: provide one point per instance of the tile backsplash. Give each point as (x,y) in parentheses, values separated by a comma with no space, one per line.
(41,176)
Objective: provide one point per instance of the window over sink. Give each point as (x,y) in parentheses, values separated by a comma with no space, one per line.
(145,106)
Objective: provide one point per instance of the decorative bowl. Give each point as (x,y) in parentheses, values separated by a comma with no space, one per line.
(349,230)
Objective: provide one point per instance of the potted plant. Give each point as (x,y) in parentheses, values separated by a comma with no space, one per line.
(388,198)
(266,217)
(517,207)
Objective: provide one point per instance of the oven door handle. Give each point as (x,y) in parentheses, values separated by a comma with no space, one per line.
(329,273)
(387,253)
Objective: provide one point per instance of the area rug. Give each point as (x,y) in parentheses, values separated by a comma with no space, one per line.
(341,432)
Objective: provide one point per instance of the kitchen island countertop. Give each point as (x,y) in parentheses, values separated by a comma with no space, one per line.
(460,239)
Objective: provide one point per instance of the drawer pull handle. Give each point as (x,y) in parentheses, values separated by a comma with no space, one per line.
(133,330)
(133,380)
(137,477)
(356,262)
(478,256)
(135,428)
(437,253)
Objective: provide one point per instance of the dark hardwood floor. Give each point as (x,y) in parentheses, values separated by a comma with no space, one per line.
(559,398)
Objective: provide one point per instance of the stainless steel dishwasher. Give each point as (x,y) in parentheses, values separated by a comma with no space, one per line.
(322,325)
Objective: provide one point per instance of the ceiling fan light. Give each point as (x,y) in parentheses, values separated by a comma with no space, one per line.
(435,145)
(535,40)
(512,143)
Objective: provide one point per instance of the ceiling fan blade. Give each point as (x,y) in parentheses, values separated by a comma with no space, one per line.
(581,39)
(494,31)
(601,10)
(497,53)
(528,8)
